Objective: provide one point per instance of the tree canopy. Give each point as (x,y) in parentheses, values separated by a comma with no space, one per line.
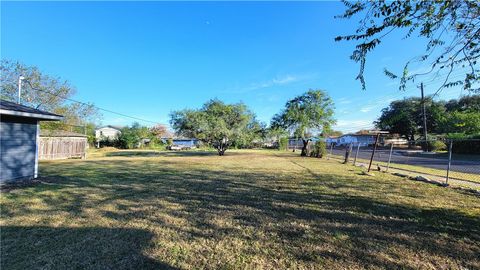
(404,117)
(451,28)
(44,92)
(217,124)
(311,112)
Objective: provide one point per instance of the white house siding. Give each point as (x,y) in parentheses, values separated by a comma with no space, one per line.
(107,132)
(363,140)
(329,141)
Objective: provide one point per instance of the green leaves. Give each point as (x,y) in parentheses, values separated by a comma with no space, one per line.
(217,124)
(312,111)
(404,117)
(450,27)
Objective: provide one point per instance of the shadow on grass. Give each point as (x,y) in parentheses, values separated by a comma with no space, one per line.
(152,153)
(76,248)
(363,228)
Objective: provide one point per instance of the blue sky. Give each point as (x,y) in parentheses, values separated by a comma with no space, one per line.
(146,59)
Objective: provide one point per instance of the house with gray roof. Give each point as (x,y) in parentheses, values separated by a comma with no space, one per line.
(19,140)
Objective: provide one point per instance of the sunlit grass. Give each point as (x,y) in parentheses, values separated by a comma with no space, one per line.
(246,210)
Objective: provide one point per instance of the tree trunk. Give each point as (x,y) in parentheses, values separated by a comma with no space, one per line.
(222,147)
(411,140)
(304,148)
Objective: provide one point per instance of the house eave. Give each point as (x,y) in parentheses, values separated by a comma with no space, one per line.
(45,117)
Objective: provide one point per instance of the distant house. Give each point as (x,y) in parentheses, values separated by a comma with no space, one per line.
(355,139)
(107,133)
(182,143)
(331,140)
(19,140)
(58,144)
(395,141)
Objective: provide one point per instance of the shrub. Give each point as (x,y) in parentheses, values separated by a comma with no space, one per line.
(319,149)
(156,143)
(283,144)
(437,145)
(107,142)
(433,143)
(465,144)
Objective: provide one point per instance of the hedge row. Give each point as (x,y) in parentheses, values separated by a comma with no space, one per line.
(465,144)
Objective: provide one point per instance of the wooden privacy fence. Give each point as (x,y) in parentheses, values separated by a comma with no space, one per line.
(62,147)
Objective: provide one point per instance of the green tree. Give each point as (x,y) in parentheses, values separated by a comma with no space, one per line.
(217,124)
(405,117)
(254,134)
(132,136)
(461,122)
(279,135)
(469,103)
(399,117)
(455,116)
(305,114)
(450,28)
(334,133)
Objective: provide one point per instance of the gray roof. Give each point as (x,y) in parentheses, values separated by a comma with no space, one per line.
(14,109)
(60,133)
(111,126)
(357,135)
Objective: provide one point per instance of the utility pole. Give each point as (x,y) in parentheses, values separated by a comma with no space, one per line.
(20,88)
(424,112)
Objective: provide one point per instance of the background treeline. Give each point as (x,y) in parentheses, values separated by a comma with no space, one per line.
(138,136)
(457,119)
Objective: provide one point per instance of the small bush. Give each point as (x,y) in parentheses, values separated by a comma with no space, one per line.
(319,149)
(283,144)
(437,145)
(107,142)
(433,143)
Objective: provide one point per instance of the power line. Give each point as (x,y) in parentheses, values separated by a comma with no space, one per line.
(91,105)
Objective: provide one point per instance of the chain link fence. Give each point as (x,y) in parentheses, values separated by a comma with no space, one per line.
(455,162)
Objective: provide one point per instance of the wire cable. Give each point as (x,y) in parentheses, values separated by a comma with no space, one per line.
(91,105)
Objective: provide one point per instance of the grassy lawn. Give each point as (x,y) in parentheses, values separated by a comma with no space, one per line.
(246,210)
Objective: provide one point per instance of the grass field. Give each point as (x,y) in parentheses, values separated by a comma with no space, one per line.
(246,210)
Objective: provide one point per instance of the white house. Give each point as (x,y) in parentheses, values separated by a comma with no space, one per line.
(331,140)
(107,132)
(355,139)
(396,141)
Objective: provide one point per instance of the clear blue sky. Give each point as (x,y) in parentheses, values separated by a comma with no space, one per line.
(149,58)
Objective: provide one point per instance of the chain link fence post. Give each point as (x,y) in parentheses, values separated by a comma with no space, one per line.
(449,160)
(331,150)
(348,150)
(389,157)
(356,155)
(373,151)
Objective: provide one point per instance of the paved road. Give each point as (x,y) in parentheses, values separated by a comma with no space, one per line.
(401,157)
